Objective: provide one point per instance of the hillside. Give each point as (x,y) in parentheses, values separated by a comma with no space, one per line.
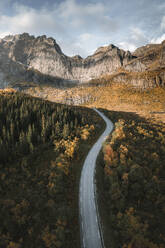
(131,182)
(104,93)
(42,146)
(130,175)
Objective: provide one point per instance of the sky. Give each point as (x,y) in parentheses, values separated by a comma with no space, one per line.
(81,26)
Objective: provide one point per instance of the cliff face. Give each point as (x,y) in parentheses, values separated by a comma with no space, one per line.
(44,55)
(26,58)
(148,57)
(105,60)
(147,69)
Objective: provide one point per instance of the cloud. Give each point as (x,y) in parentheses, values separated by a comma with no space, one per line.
(3,34)
(163,23)
(4,4)
(158,40)
(90,42)
(87,16)
(137,36)
(81,26)
(84,44)
(127,46)
(27,20)
(68,21)
(78,17)
(161,6)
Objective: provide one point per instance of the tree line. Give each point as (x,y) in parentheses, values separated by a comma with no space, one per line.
(133,176)
(39,142)
(26,123)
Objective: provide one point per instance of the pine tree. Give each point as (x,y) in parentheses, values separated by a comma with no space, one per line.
(65,131)
(57,129)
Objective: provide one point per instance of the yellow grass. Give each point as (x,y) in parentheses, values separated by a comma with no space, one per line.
(111,96)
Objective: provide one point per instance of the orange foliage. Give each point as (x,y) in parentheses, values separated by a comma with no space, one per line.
(7,90)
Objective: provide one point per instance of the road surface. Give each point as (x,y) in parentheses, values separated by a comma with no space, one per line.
(91,235)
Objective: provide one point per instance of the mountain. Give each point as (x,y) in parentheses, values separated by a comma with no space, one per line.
(44,55)
(26,58)
(146,68)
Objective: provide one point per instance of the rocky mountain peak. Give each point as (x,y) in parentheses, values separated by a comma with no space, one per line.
(163,43)
(141,51)
(105,49)
(45,55)
(22,52)
(77,57)
(30,40)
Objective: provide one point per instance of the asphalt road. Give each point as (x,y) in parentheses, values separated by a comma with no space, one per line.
(91,235)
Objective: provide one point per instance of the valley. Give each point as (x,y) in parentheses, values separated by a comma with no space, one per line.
(41,156)
(136,146)
(48,126)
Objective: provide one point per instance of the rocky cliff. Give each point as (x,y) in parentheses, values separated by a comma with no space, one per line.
(26,58)
(147,68)
(24,52)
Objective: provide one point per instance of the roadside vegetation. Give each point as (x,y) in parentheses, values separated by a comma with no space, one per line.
(42,146)
(131,182)
(130,171)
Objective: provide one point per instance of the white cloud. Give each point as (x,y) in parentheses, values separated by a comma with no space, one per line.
(88,41)
(138,36)
(88,15)
(69,14)
(27,20)
(135,39)
(70,22)
(84,44)
(127,46)
(163,23)
(3,34)
(158,40)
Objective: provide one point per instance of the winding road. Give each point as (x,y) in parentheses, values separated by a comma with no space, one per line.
(90,228)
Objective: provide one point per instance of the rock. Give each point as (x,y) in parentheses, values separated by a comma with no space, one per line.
(44,55)
(135,65)
(26,58)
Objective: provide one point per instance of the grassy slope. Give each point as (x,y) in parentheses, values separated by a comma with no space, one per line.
(115,97)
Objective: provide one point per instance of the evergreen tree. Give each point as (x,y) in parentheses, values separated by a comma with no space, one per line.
(65,132)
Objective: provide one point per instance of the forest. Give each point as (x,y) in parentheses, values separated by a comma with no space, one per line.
(39,141)
(132,176)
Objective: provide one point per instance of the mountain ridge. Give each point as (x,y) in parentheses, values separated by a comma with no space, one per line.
(24,57)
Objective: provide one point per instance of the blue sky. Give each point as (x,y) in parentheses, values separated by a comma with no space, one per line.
(81,26)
